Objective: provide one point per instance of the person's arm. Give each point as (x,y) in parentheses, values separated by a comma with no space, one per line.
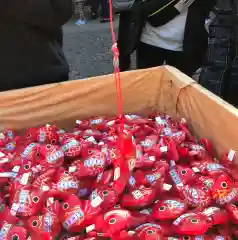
(48,14)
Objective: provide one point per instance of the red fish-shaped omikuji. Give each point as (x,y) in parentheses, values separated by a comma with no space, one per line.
(154,177)
(12,232)
(191,224)
(148,231)
(144,161)
(193,151)
(197,196)
(71,146)
(65,183)
(26,201)
(47,134)
(224,190)
(168,209)
(104,178)
(72,214)
(232,211)
(52,156)
(139,199)
(46,223)
(114,221)
(103,197)
(124,163)
(6,216)
(89,167)
(216,215)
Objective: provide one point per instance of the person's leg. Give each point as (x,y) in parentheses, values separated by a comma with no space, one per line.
(178,60)
(94,8)
(149,56)
(105,11)
(81,12)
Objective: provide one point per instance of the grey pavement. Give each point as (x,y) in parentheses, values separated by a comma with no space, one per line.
(88,48)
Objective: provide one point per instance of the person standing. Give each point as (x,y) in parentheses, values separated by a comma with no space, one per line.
(105,14)
(171,31)
(177,37)
(80,5)
(94,8)
(31,42)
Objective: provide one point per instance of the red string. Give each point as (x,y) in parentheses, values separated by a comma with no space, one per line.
(115,52)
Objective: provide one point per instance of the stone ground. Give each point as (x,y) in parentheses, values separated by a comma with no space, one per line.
(88,48)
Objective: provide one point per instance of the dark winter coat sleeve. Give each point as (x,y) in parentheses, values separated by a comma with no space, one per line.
(48,14)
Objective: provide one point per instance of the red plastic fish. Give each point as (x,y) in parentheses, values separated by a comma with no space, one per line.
(228,159)
(192,151)
(115,221)
(6,216)
(191,224)
(98,123)
(208,167)
(182,175)
(91,166)
(152,178)
(149,143)
(197,196)
(48,222)
(12,232)
(168,209)
(104,197)
(66,183)
(26,201)
(72,214)
(104,178)
(138,199)
(47,134)
(149,231)
(45,178)
(143,161)
(52,156)
(28,152)
(71,146)
(206,181)
(92,134)
(232,211)
(217,215)
(124,161)
(81,124)
(224,190)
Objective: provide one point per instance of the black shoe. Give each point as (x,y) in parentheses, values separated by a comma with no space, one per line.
(104,20)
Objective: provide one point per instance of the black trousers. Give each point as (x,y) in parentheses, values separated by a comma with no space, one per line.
(150,56)
(104,9)
(95,5)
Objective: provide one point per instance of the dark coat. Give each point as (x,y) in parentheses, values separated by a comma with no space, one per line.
(31,42)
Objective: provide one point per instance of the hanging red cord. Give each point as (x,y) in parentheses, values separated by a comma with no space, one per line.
(115,52)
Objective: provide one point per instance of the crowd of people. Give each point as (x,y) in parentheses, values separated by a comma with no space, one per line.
(160,31)
(95,5)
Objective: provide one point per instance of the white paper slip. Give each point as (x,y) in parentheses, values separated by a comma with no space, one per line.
(183,5)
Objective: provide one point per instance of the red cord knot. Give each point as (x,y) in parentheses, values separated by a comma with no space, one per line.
(115,52)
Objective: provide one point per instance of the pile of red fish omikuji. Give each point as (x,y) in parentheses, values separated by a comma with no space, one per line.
(140,178)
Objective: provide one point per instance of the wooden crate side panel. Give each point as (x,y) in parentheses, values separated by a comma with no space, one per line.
(63,103)
(209,116)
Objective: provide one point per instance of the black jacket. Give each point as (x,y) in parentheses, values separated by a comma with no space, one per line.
(195,39)
(31,42)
